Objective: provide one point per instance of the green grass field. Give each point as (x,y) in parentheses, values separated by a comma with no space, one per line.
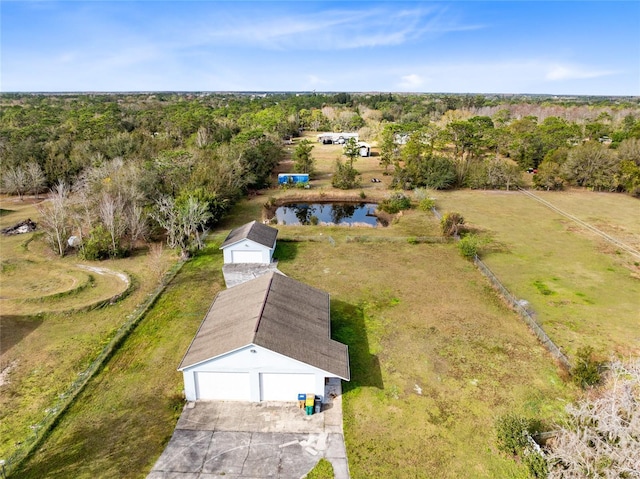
(436,356)
(584,290)
(46,338)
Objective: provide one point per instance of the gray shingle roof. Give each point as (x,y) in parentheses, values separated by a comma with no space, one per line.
(256,232)
(277,313)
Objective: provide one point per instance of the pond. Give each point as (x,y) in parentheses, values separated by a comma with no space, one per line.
(352,214)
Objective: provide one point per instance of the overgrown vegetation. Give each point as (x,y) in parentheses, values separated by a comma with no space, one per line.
(451,223)
(395,203)
(587,370)
(469,245)
(599,437)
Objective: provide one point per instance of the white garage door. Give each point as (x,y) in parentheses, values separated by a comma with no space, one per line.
(246,256)
(231,386)
(285,387)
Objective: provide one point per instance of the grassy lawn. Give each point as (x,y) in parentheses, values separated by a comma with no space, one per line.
(435,358)
(584,290)
(435,355)
(123,419)
(45,344)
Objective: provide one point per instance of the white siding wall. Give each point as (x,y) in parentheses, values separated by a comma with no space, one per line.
(246,246)
(262,361)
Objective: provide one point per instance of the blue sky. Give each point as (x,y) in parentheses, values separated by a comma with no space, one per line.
(573,48)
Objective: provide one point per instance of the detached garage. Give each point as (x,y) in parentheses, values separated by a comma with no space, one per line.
(268,339)
(250,243)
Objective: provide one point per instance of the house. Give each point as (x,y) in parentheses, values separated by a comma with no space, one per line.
(250,243)
(268,339)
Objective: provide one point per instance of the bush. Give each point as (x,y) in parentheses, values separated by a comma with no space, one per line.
(98,246)
(587,371)
(451,223)
(536,464)
(512,431)
(345,176)
(395,203)
(427,204)
(468,245)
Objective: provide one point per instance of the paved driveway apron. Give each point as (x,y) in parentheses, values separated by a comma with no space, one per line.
(233,440)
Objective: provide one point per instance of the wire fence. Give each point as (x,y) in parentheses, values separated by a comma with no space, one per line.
(64,400)
(525,313)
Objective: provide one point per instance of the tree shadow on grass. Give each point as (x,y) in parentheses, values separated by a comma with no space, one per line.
(348,327)
(14,329)
(286,251)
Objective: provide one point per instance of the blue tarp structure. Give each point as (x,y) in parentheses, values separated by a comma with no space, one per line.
(292,178)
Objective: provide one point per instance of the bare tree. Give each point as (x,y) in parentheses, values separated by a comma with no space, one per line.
(14,181)
(601,437)
(35,179)
(55,218)
(110,212)
(182,222)
(136,223)
(167,217)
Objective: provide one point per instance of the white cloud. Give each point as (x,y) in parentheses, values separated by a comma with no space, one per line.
(411,82)
(330,29)
(571,72)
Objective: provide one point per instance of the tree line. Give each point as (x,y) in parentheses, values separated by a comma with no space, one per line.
(121,165)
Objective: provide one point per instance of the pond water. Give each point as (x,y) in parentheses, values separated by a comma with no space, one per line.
(352,214)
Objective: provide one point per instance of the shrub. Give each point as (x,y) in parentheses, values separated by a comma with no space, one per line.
(451,223)
(468,245)
(586,371)
(395,203)
(97,246)
(536,464)
(345,176)
(513,434)
(512,431)
(427,204)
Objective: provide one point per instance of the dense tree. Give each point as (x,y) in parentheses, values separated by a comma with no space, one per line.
(345,176)
(592,165)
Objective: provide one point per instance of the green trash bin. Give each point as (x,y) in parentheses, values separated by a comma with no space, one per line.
(308,410)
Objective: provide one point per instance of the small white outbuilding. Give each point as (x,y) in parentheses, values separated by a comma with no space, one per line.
(250,243)
(268,339)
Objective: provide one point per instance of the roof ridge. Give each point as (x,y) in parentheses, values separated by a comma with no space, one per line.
(264,303)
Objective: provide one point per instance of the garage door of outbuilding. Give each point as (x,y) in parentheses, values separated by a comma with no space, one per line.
(285,387)
(246,256)
(225,386)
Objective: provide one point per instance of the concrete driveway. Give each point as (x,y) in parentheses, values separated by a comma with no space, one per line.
(233,440)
